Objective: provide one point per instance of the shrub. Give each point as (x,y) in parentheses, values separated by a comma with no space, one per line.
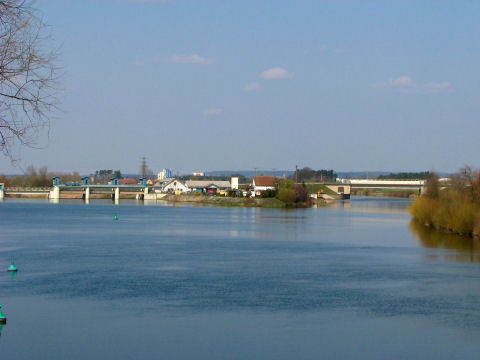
(301,193)
(455,209)
(433,188)
(269,193)
(286,192)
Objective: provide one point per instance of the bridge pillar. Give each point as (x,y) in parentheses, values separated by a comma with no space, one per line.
(87,193)
(145,190)
(54,193)
(2,190)
(117,193)
(346,189)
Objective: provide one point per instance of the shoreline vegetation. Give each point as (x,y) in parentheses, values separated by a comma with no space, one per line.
(238,201)
(452,207)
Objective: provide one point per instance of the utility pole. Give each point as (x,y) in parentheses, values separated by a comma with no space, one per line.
(255,171)
(143,167)
(296,174)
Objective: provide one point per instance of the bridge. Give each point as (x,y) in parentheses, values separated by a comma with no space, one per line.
(343,186)
(85,190)
(383,184)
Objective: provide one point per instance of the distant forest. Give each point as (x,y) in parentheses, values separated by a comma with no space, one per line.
(423,175)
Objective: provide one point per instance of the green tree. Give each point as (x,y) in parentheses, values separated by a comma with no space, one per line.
(286,191)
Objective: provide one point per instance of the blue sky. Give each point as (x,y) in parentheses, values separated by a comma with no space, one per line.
(209,85)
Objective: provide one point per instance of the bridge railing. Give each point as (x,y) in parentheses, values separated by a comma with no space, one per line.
(29,189)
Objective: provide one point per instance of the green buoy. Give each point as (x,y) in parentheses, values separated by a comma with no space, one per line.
(115,217)
(3,319)
(12,267)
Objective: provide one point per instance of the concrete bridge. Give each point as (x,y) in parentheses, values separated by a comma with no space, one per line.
(343,186)
(383,184)
(85,191)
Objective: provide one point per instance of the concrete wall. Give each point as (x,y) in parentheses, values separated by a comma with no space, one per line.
(340,189)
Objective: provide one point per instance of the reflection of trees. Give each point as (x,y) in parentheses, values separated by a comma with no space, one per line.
(469,249)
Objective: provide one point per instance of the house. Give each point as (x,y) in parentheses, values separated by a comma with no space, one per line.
(171,185)
(127,181)
(208,186)
(262,183)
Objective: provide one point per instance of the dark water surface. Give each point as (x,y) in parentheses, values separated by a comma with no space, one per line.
(352,281)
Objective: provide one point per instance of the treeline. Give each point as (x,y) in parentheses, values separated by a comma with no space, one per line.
(308,174)
(40,178)
(103,176)
(422,175)
(453,207)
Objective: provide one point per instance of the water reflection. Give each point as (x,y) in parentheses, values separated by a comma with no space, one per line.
(374,204)
(466,249)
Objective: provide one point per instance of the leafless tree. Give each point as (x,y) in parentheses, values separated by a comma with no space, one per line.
(28,76)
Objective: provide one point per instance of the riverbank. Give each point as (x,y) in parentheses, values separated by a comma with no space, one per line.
(452,207)
(448,214)
(233,202)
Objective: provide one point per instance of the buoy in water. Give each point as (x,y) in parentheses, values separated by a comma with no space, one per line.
(12,267)
(115,217)
(3,319)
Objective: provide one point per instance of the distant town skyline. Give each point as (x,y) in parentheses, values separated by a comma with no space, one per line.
(213,85)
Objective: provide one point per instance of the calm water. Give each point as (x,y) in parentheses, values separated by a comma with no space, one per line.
(352,281)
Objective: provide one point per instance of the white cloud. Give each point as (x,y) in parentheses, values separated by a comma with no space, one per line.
(188,59)
(406,84)
(275,73)
(436,86)
(401,81)
(251,86)
(213,111)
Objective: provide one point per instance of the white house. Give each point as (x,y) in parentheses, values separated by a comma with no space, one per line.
(262,183)
(174,185)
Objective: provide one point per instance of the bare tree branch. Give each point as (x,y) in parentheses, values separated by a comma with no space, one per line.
(28,76)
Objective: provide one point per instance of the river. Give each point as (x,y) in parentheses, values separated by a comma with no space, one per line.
(355,280)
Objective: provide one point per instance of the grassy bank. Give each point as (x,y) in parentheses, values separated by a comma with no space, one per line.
(314,188)
(233,201)
(451,208)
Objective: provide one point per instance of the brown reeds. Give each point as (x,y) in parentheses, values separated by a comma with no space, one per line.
(452,207)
